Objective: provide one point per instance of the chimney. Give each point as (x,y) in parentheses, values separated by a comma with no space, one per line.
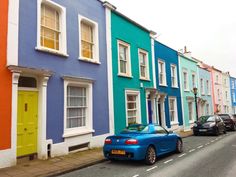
(187,53)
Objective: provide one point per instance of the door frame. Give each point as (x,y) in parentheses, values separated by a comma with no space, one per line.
(42,76)
(161,100)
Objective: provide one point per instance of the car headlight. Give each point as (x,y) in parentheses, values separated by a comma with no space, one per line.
(195,125)
(212,124)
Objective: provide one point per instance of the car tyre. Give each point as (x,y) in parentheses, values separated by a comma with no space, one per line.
(217,132)
(179,146)
(195,134)
(234,128)
(150,157)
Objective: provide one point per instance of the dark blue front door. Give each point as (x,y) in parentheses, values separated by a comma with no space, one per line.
(150,111)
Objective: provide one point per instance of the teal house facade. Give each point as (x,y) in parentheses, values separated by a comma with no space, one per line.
(132,70)
(189,80)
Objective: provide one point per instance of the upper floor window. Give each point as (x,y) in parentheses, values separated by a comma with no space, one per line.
(234,97)
(143,64)
(208,87)
(202,86)
(124,59)
(218,94)
(233,84)
(185,76)
(217,79)
(174,79)
(162,73)
(89,45)
(226,95)
(51,35)
(194,80)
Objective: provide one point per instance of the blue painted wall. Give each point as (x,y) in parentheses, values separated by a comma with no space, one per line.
(170,56)
(233,89)
(29,57)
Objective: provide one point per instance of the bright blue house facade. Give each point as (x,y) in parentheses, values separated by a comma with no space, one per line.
(61,66)
(233,93)
(169,108)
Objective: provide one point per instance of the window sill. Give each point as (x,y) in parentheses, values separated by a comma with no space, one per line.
(51,51)
(174,123)
(88,60)
(163,85)
(187,90)
(77,132)
(124,75)
(145,79)
(175,87)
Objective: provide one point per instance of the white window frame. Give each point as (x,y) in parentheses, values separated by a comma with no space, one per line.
(174,75)
(88,128)
(136,93)
(233,84)
(95,58)
(208,87)
(194,81)
(147,75)
(175,111)
(128,68)
(62,37)
(191,119)
(187,80)
(164,72)
(234,97)
(207,109)
(202,86)
(226,95)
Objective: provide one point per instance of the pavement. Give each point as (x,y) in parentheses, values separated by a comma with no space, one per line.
(59,165)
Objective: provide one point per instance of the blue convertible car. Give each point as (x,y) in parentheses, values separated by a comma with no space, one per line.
(142,142)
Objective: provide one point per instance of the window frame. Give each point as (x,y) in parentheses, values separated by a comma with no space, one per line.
(88,128)
(194,80)
(95,31)
(147,75)
(175,76)
(202,86)
(62,24)
(187,81)
(191,119)
(138,105)
(175,121)
(164,72)
(208,87)
(128,67)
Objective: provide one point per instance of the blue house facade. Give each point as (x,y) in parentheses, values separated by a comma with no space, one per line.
(169,107)
(233,93)
(60,91)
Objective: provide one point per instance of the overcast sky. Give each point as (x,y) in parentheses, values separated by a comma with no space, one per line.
(206,27)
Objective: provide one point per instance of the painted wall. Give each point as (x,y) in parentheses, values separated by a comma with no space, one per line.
(233,92)
(207,95)
(189,65)
(226,93)
(5,79)
(170,56)
(217,85)
(29,57)
(124,30)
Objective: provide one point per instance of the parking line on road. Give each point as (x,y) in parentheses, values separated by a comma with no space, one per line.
(213,141)
(207,144)
(192,150)
(182,155)
(200,146)
(168,161)
(151,168)
(135,175)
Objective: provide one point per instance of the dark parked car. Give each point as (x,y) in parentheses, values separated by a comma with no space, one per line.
(211,124)
(229,120)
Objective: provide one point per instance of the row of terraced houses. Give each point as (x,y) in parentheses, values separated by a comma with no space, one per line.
(74,72)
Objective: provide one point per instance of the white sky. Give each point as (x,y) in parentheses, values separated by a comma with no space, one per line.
(206,27)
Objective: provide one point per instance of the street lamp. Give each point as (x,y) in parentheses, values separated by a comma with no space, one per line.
(195,96)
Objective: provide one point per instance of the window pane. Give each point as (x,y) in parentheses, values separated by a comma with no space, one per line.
(123,66)
(86,32)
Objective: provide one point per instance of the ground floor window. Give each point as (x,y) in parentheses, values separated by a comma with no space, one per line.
(77,105)
(132,107)
(173,109)
(207,109)
(190,110)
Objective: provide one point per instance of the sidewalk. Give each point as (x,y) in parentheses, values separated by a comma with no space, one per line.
(59,165)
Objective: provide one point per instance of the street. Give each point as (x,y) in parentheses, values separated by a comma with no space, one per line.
(203,156)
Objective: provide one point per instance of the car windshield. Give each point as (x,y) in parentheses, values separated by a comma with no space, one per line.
(137,128)
(204,119)
(224,116)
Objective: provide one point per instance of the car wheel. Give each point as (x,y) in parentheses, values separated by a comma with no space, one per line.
(179,146)
(234,128)
(217,132)
(195,133)
(150,157)
(225,131)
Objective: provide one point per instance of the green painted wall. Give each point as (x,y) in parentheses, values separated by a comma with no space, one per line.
(191,67)
(124,30)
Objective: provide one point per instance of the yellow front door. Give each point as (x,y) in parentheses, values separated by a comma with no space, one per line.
(27,122)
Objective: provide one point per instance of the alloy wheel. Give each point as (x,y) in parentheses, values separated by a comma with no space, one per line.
(179,146)
(150,158)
